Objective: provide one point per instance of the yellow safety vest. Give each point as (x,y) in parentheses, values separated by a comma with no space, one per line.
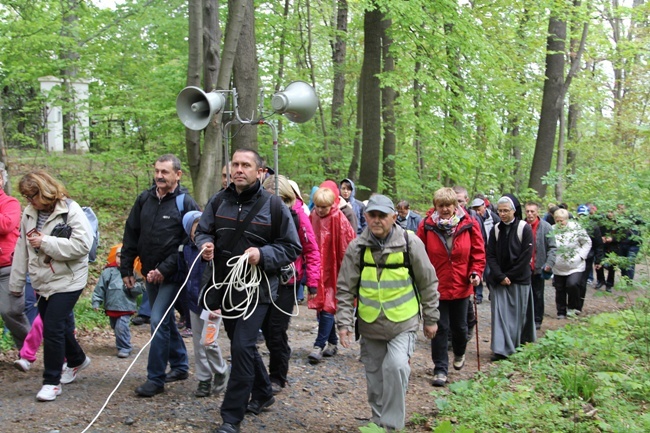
(394,293)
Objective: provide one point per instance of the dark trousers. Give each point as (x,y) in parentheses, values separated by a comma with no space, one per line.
(583,282)
(59,342)
(248,377)
(537,283)
(453,318)
(275,329)
(567,292)
(630,252)
(611,274)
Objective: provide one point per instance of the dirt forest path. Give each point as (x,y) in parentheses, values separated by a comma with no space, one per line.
(328,397)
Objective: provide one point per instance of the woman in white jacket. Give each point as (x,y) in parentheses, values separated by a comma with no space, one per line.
(58,268)
(573,246)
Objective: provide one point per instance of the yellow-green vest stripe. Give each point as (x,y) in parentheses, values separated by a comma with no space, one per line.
(393,293)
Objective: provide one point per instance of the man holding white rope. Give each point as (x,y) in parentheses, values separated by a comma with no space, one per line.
(154,231)
(250,230)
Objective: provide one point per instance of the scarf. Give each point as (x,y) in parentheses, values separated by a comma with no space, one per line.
(448,226)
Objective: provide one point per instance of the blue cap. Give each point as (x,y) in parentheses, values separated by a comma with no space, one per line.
(189,218)
(583,210)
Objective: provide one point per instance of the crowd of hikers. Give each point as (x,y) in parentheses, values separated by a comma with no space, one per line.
(373,271)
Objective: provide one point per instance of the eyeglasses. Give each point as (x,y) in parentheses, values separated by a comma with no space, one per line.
(30,198)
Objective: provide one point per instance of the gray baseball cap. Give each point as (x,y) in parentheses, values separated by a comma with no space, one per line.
(380,203)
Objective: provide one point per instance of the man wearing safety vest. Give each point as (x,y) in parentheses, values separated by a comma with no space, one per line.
(393,283)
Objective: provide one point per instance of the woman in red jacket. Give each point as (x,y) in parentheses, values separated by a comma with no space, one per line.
(454,244)
(333,233)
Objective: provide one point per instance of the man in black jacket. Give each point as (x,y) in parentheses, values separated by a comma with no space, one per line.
(269,240)
(153,232)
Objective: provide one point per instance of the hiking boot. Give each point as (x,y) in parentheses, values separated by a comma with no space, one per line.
(276,387)
(22,364)
(220,382)
(140,320)
(439,379)
(459,362)
(561,316)
(123,353)
(330,350)
(497,357)
(256,406)
(227,427)
(149,389)
(204,389)
(176,375)
(48,392)
(316,355)
(69,374)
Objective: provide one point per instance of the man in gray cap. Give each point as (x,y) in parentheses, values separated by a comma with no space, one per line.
(387,269)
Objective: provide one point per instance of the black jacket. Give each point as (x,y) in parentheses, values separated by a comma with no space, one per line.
(154,231)
(509,257)
(277,241)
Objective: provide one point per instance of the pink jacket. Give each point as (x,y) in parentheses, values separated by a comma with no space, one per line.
(310,252)
(9,227)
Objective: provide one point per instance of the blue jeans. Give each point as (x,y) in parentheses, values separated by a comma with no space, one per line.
(122,332)
(167,345)
(31,309)
(145,308)
(326,330)
(59,341)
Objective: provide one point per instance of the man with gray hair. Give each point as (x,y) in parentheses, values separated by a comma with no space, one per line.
(12,304)
(387,270)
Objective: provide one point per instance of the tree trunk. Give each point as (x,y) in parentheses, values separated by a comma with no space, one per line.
(338,92)
(195,58)
(560,161)
(371,139)
(245,79)
(279,79)
(388,115)
(213,157)
(551,104)
(417,109)
(69,72)
(353,170)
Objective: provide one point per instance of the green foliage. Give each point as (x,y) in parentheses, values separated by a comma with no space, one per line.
(86,318)
(371,428)
(592,375)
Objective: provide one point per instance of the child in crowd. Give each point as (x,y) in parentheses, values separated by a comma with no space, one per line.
(208,359)
(119,302)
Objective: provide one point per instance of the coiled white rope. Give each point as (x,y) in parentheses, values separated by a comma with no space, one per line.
(243,277)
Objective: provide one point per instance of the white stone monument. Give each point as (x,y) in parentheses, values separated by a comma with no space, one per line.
(80,127)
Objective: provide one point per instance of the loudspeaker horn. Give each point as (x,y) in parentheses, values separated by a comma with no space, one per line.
(195,108)
(298,102)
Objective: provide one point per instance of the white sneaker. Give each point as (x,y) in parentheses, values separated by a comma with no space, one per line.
(48,392)
(459,362)
(22,364)
(70,374)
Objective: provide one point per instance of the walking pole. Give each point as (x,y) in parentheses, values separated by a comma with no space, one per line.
(478,357)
